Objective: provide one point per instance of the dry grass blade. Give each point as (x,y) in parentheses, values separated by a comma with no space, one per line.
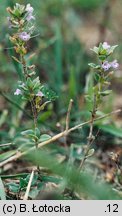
(29,186)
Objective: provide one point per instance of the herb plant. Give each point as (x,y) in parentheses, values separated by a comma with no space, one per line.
(70,175)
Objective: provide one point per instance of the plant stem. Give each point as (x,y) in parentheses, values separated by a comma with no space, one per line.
(90,138)
(96,102)
(25,71)
(32,102)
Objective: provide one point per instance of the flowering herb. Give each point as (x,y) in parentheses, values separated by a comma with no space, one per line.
(102,73)
(106,65)
(29,88)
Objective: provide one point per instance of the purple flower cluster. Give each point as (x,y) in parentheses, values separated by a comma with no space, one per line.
(29,11)
(107,65)
(24,36)
(19,92)
(114,64)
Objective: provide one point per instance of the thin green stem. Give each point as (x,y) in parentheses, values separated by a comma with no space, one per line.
(32,102)
(96,102)
(25,71)
(90,136)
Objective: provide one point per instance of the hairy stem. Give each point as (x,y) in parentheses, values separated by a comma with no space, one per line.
(90,137)
(25,71)
(32,102)
(96,102)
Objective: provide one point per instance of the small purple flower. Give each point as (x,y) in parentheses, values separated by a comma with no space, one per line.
(40,94)
(24,36)
(30,17)
(115,64)
(106,46)
(106,65)
(18,92)
(29,8)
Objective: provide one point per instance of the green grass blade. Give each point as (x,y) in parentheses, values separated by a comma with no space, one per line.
(79,182)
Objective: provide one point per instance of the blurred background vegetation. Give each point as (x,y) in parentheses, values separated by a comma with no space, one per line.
(64,33)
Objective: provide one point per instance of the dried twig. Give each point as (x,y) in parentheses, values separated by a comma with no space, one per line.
(68,120)
(29,186)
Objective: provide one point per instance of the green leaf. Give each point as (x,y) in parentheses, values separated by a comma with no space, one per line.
(2,191)
(97,77)
(35,178)
(103,52)
(13,187)
(37,132)
(48,93)
(36,84)
(100,48)
(43,106)
(112,129)
(29,83)
(6,155)
(44,137)
(31,134)
(17,60)
(16,176)
(88,98)
(92,65)
(23,183)
(27,132)
(112,49)
(41,185)
(90,153)
(89,91)
(95,49)
(102,57)
(23,142)
(105,93)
